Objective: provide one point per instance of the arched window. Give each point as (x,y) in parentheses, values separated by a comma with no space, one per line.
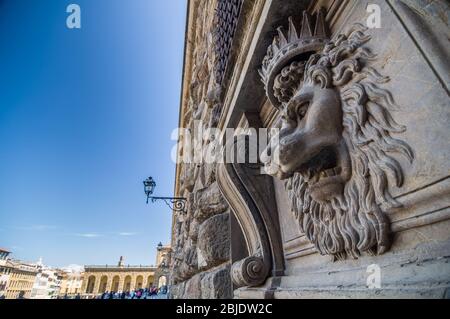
(139,282)
(103,284)
(162,281)
(115,284)
(150,281)
(127,283)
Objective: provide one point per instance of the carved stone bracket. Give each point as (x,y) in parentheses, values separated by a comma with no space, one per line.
(251,197)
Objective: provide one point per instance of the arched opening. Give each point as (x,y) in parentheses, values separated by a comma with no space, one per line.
(90,285)
(150,281)
(162,281)
(139,282)
(127,283)
(115,284)
(103,284)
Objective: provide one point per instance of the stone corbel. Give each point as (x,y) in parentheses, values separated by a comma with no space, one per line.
(250,195)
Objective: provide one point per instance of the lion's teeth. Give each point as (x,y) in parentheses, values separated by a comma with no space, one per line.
(330,172)
(327,173)
(307,175)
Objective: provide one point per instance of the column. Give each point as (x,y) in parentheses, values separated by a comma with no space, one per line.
(109,283)
(84,284)
(121,282)
(97,284)
(133,282)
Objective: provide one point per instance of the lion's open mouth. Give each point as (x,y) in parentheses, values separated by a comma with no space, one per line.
(324,174)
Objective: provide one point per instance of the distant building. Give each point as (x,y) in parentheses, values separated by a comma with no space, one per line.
(101,278)
(47,284)
(163,255)
(71,282)
(30,280)
(98,279)
(20,278)
(4,271)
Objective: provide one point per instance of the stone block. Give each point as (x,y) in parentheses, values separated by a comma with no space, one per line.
(213,244)
(209,202)
(189,265)
(193,230)
(216,284)
(177,291)
(193,287)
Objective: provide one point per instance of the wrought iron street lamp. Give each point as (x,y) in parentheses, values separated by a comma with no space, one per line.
(177,204)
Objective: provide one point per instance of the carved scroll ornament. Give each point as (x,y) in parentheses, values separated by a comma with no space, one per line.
(251,197)
(250,271)
(336,142)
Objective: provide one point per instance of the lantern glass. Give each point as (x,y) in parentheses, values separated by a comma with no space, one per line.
(149,186)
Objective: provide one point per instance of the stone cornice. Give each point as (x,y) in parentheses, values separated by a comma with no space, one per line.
(186,78)
(92,268)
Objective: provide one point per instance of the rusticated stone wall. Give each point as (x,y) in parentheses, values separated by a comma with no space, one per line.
(200,265)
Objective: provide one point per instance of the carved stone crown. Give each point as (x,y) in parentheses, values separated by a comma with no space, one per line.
(296,46)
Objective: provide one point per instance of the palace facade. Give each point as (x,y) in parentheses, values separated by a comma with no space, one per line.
(98,279)
(335,181)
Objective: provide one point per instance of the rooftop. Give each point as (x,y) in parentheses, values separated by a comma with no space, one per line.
(115,267)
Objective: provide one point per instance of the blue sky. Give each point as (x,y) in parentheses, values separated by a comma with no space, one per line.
(85,116)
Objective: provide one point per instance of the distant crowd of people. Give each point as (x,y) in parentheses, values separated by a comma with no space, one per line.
(77,296)
(143,293)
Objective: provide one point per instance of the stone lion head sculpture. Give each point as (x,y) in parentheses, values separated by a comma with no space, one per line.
(335,146)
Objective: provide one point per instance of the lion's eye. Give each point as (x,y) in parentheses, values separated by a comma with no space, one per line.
(288,119)
(302,109)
